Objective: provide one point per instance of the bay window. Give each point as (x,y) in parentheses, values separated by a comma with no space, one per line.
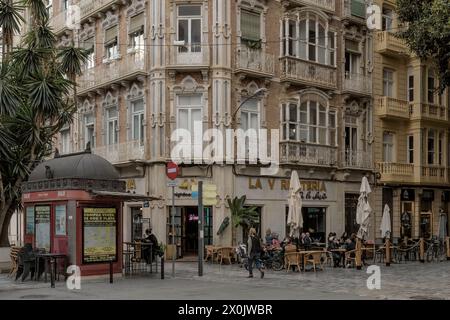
(309,122)
(309,38)
(189,26)
(250,115)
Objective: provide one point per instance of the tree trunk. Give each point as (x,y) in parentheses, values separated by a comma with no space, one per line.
(8,212)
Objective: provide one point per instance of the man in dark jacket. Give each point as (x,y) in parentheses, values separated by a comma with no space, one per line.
(254,253)
(150,238)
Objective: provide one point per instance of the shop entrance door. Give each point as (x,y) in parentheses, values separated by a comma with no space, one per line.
(351,202)
(190,234)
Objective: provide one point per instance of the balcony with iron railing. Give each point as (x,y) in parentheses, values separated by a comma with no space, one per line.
(256,62)
(357,83)
(308,73)
(292,152)
(188,56)
(361,160)
(121,152)
(386,42)
(327,5)
(428,111)
(387,107)
(126,67)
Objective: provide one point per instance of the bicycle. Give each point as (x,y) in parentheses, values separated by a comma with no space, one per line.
(435,250)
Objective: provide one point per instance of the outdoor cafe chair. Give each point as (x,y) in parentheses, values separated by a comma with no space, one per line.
(224,253)
(209,253)
(292,259)
(314,258)
(350,258)
(290,248)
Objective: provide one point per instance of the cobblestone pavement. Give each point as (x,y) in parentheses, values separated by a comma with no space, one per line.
(400,281)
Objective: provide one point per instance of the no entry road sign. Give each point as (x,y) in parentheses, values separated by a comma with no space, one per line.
(172,170)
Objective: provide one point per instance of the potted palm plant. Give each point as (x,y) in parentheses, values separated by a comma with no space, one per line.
(246,217)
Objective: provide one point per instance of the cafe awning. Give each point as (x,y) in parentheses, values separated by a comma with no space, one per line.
(124,195)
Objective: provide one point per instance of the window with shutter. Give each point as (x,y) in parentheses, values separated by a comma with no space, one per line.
(111,35)
(136,23)
(359,8)
(250,25)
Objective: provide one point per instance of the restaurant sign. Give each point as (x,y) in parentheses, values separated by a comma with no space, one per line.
(311,189)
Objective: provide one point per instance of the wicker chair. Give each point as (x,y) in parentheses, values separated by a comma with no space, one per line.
(209,253)
(14,255)
(224,253)
(350,258)
(314,258)
(292,259)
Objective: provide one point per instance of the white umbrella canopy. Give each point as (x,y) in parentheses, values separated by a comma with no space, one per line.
(386,222)
(363,209)
(442,226)
(295,218)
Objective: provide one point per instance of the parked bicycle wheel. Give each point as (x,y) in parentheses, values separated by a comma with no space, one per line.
(277,265)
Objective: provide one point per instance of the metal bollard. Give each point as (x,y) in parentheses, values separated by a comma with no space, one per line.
(110,272)
(52,275)
(162,268)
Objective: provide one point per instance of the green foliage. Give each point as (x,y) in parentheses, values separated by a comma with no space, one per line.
(36,81)
(246,217)
(428,32)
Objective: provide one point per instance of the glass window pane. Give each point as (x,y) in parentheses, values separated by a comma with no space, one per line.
(312,31)
(183,119)
(183,30)
(244,120)
(254,121)
(292,112)
(312,135)
(189,10)
(312,113)
(60,220)
(196,35)
(136,127)
(321,35)
(322,135)
(292,132)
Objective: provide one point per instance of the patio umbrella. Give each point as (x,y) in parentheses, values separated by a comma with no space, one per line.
(363,209)
(442,226)
(386,222)
(295,218)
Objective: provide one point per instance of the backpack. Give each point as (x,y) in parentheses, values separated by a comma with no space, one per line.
(256,245)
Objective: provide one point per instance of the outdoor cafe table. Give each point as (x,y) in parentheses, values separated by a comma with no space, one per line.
(341,252)
(48,257)
(135,250)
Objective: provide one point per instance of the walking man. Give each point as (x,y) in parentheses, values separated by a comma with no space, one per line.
(254,253)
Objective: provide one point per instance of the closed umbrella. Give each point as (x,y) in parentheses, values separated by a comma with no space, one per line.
(363,209)
(442,226)
(295,218)
(386,222)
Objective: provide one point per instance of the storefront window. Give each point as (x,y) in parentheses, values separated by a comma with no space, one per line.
(60,220)
(314,222)
(30,220)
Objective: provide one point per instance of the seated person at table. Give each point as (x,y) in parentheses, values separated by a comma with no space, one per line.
(268,237)
(333,244)
(150,238)
(307,241)
(275,241)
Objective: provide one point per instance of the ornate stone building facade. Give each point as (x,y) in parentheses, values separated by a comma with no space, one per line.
(159,65)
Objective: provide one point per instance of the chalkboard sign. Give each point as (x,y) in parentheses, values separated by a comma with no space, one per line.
(99,235)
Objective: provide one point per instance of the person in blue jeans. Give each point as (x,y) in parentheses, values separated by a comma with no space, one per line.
(254,253)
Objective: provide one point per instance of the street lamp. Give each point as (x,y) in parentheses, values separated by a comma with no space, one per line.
(255,94)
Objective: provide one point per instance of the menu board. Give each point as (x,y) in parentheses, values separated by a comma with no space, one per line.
(42,220)
(99,235)
(30,221)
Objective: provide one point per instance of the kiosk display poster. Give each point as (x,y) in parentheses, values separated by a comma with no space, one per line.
(30,220)
(60,220)
(42,222)
(99,235)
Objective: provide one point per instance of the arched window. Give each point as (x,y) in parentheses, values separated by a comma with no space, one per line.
(310,121)
(308,37)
